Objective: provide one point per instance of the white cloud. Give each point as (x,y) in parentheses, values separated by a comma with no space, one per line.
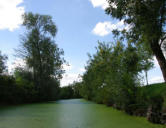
(67,67)
(11,14)
(99,3)
(156,79)
(17,63)
(105,28)
(69,78)
(71,74)
(82,70)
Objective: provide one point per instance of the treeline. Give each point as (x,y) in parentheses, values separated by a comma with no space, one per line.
(39,80)
(71,91)
(114,77)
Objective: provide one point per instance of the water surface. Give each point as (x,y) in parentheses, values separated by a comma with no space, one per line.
(76,113)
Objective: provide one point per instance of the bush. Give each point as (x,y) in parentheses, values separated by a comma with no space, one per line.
(13,92)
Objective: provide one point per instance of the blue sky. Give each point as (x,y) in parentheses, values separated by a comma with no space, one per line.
(81,23)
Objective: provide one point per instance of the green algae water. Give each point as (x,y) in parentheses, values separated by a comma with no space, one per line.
(76,113)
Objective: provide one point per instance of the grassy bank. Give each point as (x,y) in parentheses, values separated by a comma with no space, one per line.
(154,89)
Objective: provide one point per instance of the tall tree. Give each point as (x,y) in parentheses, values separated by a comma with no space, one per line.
(39,50)
(147,20)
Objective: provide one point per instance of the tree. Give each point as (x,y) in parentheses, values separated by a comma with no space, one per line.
(112,74)
(146,67)
(3,59)
(146,59)
(146,19)
(66,92)
(38,49)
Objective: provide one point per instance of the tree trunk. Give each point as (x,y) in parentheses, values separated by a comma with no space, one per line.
(146,75)
(160,57)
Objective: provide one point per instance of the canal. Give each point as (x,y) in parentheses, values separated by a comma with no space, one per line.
(75,113)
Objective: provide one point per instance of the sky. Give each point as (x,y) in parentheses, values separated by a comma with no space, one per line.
(81,24)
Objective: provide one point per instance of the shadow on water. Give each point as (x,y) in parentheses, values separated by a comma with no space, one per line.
(74,101)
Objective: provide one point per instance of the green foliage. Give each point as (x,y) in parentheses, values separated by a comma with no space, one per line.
(3,59)
(76,86)
(151,96)
(71,91)
(148,93)
(7,85)
(14,91)
(24,80)
(21,88)
(66,92)
(113,75)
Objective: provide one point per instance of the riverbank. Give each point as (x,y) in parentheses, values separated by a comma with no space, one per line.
(75,113)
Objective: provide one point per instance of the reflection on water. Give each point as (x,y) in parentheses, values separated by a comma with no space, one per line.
(76,113)
(75,101)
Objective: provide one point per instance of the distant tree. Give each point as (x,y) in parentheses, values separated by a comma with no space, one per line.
(3,59)
(71,91)
(146,59)
(147,67)
(38,48)
(147,21)
(66,92)
(76,87)
(143,50)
